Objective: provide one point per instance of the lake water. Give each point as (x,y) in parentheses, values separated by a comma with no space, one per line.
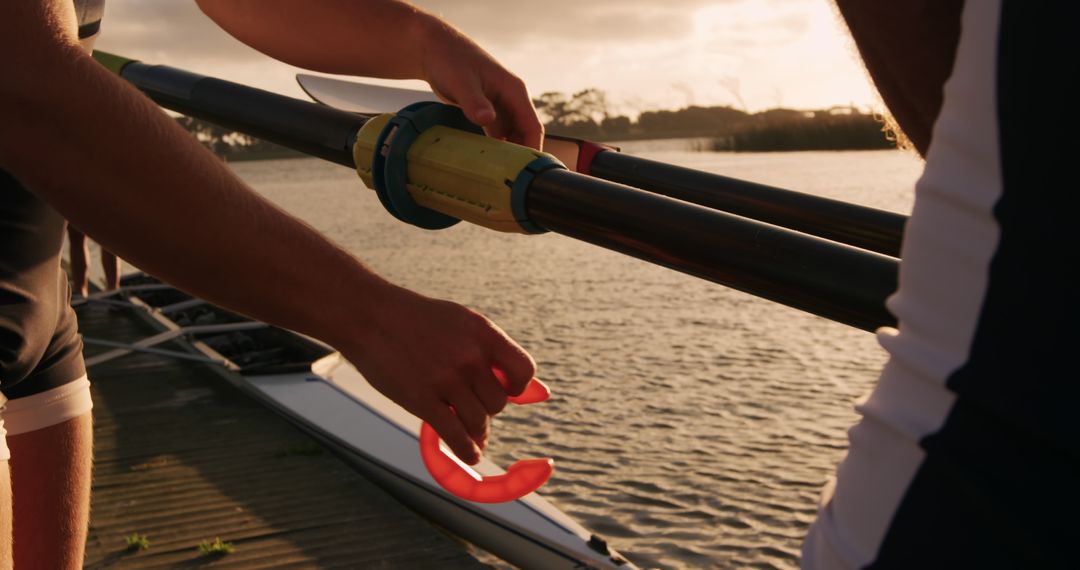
(691,425)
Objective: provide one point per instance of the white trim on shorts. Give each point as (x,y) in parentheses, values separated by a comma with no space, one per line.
(43,410)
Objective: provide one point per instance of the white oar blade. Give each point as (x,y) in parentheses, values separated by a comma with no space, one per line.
(357,97)
(360,97)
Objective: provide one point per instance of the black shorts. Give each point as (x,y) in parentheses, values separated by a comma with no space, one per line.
(40,348)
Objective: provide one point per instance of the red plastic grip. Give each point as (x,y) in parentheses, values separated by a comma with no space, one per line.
(520,479)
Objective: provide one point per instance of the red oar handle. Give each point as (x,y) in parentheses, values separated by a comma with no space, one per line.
(520,479)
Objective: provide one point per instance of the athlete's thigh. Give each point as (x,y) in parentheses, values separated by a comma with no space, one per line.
(50,439)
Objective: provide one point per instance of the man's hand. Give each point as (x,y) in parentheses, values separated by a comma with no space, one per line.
(435,359)
(462,73)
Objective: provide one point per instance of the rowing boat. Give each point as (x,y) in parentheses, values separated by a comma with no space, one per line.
(315,388)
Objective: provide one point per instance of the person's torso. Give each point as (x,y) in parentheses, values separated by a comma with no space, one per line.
(967,451)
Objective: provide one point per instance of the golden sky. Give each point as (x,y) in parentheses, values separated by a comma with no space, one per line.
(646,54)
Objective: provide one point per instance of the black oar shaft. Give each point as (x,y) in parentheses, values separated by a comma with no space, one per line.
(311,129)
(838,282)
(860,226)
(822,277)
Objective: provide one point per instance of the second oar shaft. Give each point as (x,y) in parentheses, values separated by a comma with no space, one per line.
(838,282)
(860,226)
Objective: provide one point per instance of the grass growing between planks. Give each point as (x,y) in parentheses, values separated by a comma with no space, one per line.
(137,542)
(216,548)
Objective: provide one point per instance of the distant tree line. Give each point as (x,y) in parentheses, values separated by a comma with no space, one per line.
(817,130)
(586,115)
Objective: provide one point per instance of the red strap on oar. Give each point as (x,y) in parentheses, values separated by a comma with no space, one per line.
(520,479)
(576,154)
(589,150)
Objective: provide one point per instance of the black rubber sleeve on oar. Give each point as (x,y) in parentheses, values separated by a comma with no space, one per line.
(835,281)
(860,226)
(311,129)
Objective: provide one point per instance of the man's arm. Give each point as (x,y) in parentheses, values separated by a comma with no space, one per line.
(386,38)
(110,161)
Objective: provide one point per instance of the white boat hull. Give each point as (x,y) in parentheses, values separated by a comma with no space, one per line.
(329,399)
(346,414)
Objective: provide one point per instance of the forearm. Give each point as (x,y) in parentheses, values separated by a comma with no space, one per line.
(391,39)
(111,162)
(374,38)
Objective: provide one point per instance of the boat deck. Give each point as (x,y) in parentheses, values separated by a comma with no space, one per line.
(183,457)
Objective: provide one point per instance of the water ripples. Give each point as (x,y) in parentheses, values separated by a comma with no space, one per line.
(692,425)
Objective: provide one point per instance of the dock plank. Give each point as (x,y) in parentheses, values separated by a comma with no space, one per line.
(183,457)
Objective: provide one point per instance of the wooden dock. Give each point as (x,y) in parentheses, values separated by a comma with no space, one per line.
(182,458)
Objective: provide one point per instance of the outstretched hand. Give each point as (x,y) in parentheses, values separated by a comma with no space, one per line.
(463,74)
(437,359)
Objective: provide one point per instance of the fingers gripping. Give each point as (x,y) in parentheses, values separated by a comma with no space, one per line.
(449,426)
(473,415)
(520,479)
(514,370)
(475,103)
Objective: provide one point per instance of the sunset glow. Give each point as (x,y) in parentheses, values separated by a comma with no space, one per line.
(645,55)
